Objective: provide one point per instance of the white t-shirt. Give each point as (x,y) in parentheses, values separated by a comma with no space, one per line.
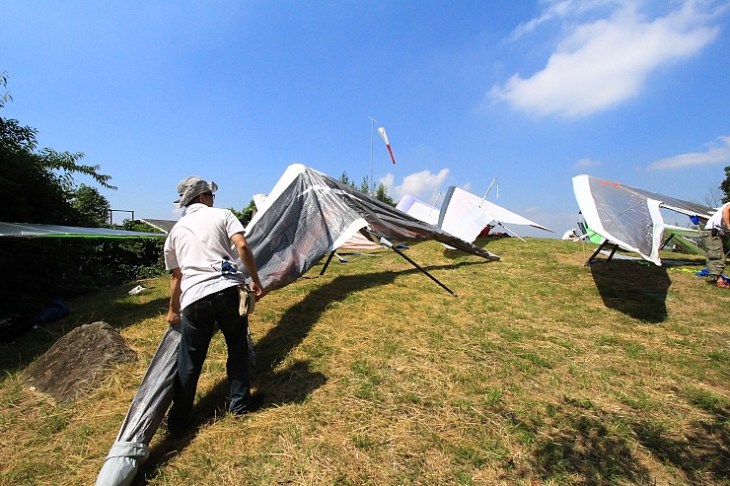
(200,246)
(715,220)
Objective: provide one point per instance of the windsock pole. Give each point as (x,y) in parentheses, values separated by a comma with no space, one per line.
(373,121)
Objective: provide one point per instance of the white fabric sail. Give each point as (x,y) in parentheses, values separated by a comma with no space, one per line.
(465,215)
(419,210)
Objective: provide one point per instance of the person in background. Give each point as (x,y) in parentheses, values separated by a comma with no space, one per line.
(205,251)
(714,230)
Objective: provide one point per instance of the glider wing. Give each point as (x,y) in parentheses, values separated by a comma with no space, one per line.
(23,230)
(465,215)
(628,216)
(309,214)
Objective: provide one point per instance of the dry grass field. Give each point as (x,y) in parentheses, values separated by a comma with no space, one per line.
(541,371)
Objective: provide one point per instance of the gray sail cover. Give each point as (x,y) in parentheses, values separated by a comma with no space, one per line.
(628,216)
(306,216)
(309,214)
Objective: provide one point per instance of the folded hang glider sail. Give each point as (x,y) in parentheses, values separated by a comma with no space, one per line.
(23,230)
(419,210)
(628,216)
(306,216)
(384,136)
(465,215)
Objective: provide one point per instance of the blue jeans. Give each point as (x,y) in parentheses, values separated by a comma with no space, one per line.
(198,321)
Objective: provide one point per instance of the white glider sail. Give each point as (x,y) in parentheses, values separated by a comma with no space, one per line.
(630,217)
(465,215)
(419,210)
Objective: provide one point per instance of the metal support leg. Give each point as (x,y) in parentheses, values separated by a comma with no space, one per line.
(598,250)
(666,241)
(423,270)
(326,264)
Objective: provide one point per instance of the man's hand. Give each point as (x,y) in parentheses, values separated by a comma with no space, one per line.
(173,311)
(173,317)
(259,291)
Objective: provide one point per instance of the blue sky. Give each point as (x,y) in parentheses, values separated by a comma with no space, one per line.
(530,92)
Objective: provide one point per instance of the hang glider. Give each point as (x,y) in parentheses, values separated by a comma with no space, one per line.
(465,215)
(419,209)
(306,216)
(629,217)
(356,242)
(23,230)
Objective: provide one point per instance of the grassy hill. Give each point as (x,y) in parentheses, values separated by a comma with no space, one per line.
(542,371)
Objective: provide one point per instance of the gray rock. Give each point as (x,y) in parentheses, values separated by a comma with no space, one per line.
(77,362)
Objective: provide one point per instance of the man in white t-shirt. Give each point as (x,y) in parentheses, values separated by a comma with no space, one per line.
(205,251)
(715,228)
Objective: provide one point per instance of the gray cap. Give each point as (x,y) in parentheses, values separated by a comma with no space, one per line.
(191,187)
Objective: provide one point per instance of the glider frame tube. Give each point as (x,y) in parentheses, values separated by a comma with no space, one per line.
(392,247)
(598,250)
(424,271)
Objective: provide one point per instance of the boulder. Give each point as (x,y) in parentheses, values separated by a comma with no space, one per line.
(77,362)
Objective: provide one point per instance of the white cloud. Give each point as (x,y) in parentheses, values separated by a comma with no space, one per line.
(586,163)
(421,185)
(599,63)
(717,152)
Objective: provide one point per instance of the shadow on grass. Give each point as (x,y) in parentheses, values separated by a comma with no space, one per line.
(298,320)
(590,446)
(290,385)
(636,289)
(30,345)
(700,452)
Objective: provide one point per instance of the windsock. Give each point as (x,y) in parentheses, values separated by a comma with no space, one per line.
(382,133)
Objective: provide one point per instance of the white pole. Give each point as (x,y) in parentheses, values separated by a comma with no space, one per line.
(438,196)
(488,189)
(373,121)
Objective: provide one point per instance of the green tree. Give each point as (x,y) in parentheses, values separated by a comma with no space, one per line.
(381,193)
(4,83)
(39,187)
(41,182)
(245,215)
(346,180)
(91,206)
(725,186)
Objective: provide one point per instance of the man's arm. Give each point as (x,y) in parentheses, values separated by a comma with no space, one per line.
(173,313)
(246,255)
(726,216)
